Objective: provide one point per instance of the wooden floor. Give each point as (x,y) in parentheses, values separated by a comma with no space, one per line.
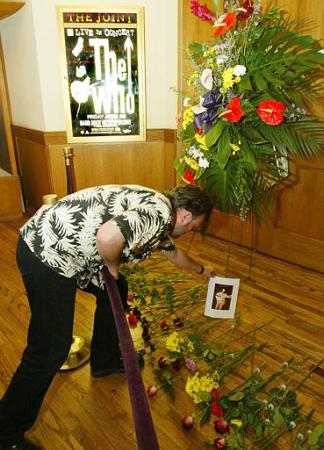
(80,412)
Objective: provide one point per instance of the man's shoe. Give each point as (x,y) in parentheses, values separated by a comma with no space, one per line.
(20,445)
(98,373)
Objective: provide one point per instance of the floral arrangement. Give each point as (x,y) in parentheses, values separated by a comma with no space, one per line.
(245,412)
(247,107)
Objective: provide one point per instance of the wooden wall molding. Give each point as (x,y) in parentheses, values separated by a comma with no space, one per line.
(60,137)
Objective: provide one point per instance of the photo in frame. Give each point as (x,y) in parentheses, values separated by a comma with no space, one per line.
(222,297)
(102,60)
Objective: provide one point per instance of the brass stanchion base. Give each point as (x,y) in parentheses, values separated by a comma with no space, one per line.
(79,354)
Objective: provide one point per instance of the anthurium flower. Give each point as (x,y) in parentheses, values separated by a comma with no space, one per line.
(188,177)
(227,23)
(187,422)
(246,11)
(270,111)
(234,111)
(164,325)
(221,426)
(216,394)
(207,79)
(236,422)
(151,391)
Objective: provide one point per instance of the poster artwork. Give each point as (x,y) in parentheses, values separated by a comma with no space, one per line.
(104,75)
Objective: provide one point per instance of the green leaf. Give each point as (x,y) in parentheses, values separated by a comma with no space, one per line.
(316,433)
(188,133)
(217,4)
(215,133)
(253,135)
(204,396)
(277,418)
(235,412)
(245,83)
(224,150)
(237,396)
(260,82)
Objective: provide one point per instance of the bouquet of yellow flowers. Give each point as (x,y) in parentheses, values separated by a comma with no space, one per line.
(248,109)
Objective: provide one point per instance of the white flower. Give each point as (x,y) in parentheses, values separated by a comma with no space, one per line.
(203,163)
(198,109)
(321,51)
(270,407)
(207,79)
(300,436)
(186,102)
(239,70)
(221,59)
(283,387)
(267,422)
(197,154)
(292,425)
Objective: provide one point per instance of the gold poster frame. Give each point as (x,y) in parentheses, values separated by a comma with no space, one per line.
(83,24)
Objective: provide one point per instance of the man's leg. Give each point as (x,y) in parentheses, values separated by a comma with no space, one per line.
(51,298)
(105,351)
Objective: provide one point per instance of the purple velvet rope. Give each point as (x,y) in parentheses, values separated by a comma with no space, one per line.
(144,428)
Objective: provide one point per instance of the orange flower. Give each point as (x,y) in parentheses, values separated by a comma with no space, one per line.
(227,23)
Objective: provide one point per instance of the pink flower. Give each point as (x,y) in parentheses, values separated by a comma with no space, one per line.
(201,11)
(190,364)
(151,391)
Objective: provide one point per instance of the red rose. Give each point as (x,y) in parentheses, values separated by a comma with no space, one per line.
(162,362)
(270,111)
(221,426)
(187,422)
(188,177)
(220,443)
(132,319)
(216,409)
(176,365)
(234,111)
(216,394)
(164,325)
(247,6)
(227,23)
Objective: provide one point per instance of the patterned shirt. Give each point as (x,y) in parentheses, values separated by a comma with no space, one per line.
(63,235)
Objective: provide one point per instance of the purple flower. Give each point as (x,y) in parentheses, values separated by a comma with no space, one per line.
(190,364)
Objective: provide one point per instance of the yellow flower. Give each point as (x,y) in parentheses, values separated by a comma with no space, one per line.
(172,342)
(196,385)
(188,117)
(236,422)
(191,163)
(228,78)
(202,141)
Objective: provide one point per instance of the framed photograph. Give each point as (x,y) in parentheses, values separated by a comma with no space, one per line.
(222,297)
(102,59)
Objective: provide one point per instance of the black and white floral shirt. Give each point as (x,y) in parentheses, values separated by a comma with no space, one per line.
(63,235)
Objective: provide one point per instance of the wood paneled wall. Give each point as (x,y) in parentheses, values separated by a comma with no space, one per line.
(295,230)
(42,168)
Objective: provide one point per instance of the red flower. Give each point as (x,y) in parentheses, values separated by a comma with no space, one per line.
(132,319)
(216,409)
(188,177)
(187,422)
(162,362)
(176,365)
(199,131)
(164,325)
(216,394)
(220,443)
(201,11)
(221,426)
(270,111)
(227,23)
(234,111)
(243,15)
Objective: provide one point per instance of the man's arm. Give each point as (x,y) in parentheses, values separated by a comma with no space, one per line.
(110,244)
(179,258)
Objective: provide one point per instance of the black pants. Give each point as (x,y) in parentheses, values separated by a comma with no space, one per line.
(51,299)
